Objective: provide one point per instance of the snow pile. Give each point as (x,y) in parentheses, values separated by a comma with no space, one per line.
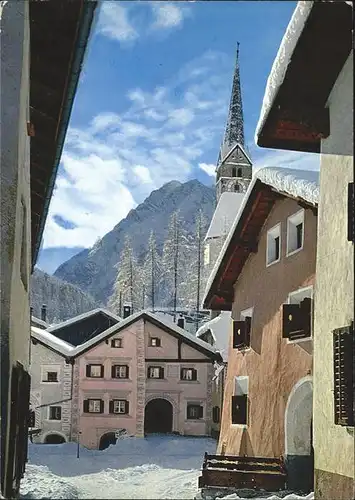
(291,496)
(148,468)
(283,58)
(219,327)
(51,340)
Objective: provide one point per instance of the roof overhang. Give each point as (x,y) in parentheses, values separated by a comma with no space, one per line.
(298,118)
(59,32)
(243,242)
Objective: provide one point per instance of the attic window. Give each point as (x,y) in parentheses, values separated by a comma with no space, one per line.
(295,232)
(154,342)
(117,343)
(273,245)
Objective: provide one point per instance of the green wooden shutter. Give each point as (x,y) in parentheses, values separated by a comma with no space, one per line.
(126,407)
(182,374)
(247,329)
(238,334)
(291,320)
(194,374)
(161,372)
(102,371)
(351,214)
(88,371)
(113,371)
(343,356)
(200,411)
(86,406)
(102,406)
(127,371)
(110,407)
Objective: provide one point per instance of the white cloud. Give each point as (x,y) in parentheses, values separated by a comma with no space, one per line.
(168,15)
(208,168)
(285,159)
(123,22)
(118,159)
(114,23)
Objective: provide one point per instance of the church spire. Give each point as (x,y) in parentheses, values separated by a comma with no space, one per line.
(234,132)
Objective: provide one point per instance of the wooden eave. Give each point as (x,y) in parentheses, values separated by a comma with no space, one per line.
(299,118)
(59,31)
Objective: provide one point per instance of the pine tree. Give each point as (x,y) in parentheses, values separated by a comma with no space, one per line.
(150,272)
(125,288)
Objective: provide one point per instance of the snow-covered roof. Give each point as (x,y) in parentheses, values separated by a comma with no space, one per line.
(80,317)
(136,317)
(220,329)
(224,215)
(283,58)
(52,341)
(303,184)
(40,322)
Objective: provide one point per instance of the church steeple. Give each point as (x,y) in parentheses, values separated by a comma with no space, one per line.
(234,167)
(234,132)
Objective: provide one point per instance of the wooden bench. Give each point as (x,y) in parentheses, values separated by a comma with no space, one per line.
(226,471)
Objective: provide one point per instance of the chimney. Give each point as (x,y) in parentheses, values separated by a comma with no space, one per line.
(126,311)
(44,313)
(181,322)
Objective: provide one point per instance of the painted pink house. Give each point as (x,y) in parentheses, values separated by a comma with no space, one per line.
(142,375)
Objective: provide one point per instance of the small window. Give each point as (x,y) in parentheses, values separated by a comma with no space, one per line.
(120,371)
(188,374)
(117,343)
(154,342)
(119,406)
(239,409)
(295,230)
(297,315)
(32,419)
(216,414)
(50,377)
(93,406)
(273,245)
(194,412)
(94,371)
(234,172)
(239,172)
(155,372)
(55,413)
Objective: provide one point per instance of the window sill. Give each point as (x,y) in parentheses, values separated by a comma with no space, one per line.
(116,415)
(195,420)
(239,426)
(273,262)
(293,252)
(189,382)
(302,339)
(49,383)
(157,379)
(51,420)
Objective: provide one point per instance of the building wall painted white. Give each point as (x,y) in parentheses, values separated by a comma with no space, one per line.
(49,394)
(334,292)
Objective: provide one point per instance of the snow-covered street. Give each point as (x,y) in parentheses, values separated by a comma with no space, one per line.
(157,467)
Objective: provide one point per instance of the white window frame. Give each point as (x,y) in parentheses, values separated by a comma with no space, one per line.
(290,300)
(186,371)
(154,339)
(93,402)
(49,413)
(119,369)
(294,220)
(94,366)
(273,233)
(119,340)
(119,403)
(151,368)
(50,368)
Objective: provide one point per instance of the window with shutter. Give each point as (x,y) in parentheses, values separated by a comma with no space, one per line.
(118,406)
(93,406)
(161,372)
(55,413)
(155,372)
(351,212)
(216,414)
(239,409)
(154,342)
(119,371)
(343,356)
(188,374)
(95,371)
(297,319)
(116,343)
(239,334)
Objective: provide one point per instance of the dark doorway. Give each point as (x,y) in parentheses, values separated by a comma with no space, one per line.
(54,439)
(158,416)
(106,440)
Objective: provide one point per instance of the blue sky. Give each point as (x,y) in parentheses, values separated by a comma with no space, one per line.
(151,107)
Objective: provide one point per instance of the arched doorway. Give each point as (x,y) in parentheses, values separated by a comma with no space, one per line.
(54,438)
(106,440)
(298,436)
(158,416)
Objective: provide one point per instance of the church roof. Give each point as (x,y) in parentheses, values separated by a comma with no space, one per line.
(224,215)
(240,156)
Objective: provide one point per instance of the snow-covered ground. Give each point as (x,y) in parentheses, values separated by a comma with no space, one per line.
(157,467)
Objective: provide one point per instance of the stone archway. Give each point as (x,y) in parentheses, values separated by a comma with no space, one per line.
(54,438)
(298,436)
(106,440)
(158,416)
